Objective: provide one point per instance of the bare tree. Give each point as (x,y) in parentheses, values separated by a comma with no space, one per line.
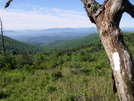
(2,39)
(107,18)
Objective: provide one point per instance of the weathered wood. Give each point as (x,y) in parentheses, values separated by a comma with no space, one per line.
(107,18)
(2,39)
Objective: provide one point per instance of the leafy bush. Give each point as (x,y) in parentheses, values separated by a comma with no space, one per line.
(4,93)
(8,62)
(50,89)
(57,74)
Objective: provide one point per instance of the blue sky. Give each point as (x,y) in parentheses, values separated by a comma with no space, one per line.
(44,14)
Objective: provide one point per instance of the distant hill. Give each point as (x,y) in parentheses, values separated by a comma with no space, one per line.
(54,32)
(60,44)
(46,39)
(17,46)
(12,45)
(39,37)
(64,44)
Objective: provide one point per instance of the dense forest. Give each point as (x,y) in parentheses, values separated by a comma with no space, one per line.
(38,73)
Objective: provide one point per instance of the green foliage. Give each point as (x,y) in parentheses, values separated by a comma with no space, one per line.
(8,62)
(4,93)
(39,58)
(26,58)
(50,89)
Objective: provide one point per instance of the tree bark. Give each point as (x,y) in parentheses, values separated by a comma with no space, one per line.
(2,39)
(107,18)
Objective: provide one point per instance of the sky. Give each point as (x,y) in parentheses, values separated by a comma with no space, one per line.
(45,14)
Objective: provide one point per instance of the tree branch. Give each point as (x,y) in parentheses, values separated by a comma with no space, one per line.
(8,3)
(93,9)
(129,8)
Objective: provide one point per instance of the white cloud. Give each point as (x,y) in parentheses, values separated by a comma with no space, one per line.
(42,18)
(27,16)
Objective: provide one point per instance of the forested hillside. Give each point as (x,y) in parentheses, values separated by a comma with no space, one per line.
(15,46)
(64,44)
(81,72)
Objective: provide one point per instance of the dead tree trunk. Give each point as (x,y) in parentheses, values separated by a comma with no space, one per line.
(107,18)
(2,39)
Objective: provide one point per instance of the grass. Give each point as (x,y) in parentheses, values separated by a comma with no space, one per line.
(59,84)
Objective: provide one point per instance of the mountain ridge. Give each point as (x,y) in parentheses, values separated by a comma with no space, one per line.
(39,37)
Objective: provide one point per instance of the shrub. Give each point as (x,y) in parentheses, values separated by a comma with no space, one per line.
(50,89)
(8,62)
(57,74)
(4,93)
